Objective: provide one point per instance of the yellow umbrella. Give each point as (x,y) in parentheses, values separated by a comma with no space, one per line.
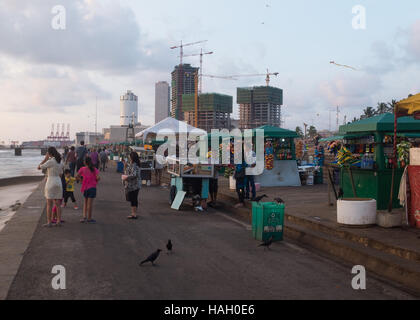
(409,106)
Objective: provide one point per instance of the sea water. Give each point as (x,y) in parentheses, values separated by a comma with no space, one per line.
(16,166)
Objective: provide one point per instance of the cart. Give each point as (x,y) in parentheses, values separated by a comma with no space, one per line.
(191,178)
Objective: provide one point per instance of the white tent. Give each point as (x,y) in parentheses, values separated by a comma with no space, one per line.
(169,126)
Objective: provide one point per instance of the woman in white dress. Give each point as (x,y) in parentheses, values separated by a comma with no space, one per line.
(53,188)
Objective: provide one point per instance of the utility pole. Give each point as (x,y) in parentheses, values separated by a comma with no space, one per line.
(338,117)
(96,121)
(306,126)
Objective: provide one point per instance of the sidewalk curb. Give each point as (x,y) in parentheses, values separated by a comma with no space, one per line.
(16,237)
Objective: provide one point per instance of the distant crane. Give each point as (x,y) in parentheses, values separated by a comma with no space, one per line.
(180,83)
(267,75)
(201,54)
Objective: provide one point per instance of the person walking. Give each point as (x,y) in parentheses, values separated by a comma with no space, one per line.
(94,155)
(81,153)
(240,184)
(71,160)
(90,178)
(103,158)
(249,179)
(53,188)
(132,183)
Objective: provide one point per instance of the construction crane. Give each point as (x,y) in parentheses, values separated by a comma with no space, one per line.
(201,54)
(181,56)
(181,48)
(267,75)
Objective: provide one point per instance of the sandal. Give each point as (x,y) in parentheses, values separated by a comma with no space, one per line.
(83,220)
(132,217)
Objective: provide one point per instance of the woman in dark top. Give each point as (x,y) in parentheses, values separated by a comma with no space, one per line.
(132,183)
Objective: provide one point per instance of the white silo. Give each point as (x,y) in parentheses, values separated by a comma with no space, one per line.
(129,108)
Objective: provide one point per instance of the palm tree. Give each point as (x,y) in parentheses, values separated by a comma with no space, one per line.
(299,132)
(369,112)
(391,105)
(382,108)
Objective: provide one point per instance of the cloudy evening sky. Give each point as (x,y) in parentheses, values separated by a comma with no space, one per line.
(53,76)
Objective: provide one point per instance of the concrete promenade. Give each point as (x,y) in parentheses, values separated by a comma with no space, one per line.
(214,256)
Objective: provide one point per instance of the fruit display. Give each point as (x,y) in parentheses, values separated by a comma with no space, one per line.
(269,161)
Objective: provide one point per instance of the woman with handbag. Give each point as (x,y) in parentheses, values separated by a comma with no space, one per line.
(132,183)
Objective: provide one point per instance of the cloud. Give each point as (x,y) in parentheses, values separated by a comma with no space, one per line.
(351,91)
(413,46)
(32,89)
(99,35)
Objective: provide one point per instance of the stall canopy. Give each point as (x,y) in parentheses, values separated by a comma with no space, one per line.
(168,126)
(409,107)
(275,132)
(381,123)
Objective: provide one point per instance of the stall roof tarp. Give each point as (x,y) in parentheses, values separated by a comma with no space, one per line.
(409,106)
(383,122)
(170,125)
(275,132)
(333,138)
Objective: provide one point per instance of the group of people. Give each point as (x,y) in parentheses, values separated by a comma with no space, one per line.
(80,165)
(74,158)
(60,184)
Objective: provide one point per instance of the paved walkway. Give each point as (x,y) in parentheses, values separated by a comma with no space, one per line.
(214,258)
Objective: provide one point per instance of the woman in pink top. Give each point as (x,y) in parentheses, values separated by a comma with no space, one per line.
(90,177)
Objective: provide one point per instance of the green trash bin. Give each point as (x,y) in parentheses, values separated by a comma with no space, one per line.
(267,221)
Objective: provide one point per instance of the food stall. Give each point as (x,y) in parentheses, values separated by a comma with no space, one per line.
(371,142)
(147,162)
(191,178)
(411,196)
(280,158)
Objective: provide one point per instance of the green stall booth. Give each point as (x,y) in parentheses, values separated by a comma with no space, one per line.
(372,141)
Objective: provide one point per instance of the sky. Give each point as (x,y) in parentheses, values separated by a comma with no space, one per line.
(108,47)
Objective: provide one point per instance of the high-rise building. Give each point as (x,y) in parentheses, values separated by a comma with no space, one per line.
(259,106)
(162,101)
(213,111)
(183,82)
(129,109)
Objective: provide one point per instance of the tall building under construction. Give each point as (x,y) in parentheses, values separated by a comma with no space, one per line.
(183,82)
(259,106)
(213,110)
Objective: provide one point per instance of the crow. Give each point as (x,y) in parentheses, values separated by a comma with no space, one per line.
(258,199)
(169,246)
(152,258)
(279,200)
(267,243)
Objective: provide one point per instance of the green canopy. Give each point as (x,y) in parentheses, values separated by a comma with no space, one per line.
(275,132)
(383,122)
(333,138)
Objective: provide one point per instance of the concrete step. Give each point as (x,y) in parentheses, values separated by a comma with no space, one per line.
(346,233)
(398,270)
(329,227)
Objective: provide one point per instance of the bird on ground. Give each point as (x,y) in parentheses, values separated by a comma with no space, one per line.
(258,199)
(169,246)
(279,200)
(267,243)
(152,258)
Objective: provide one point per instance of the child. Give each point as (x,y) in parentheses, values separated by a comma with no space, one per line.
(90,179)
(69,190)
